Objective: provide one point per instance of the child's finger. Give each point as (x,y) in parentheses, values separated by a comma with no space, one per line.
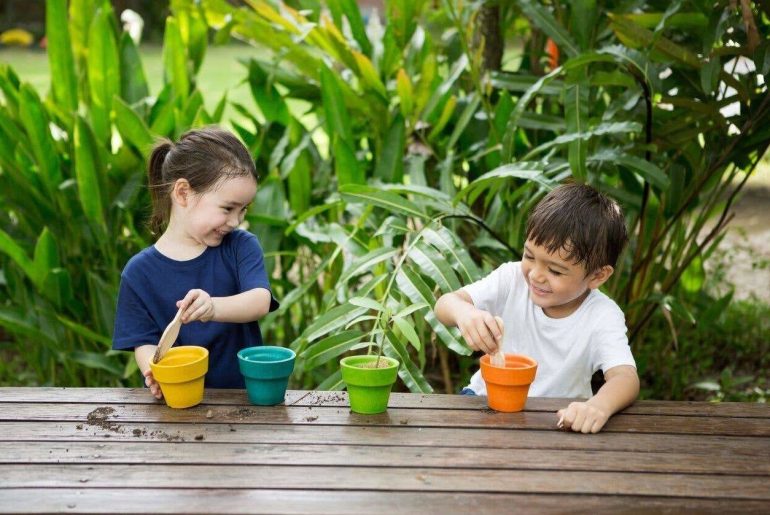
(560,423)
(493,329)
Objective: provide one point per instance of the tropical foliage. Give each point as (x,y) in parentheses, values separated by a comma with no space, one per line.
(399,161)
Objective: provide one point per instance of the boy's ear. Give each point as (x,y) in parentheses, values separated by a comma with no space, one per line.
(181,192)
(599,277)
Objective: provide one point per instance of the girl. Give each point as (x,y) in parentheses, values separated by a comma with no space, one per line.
(202,264)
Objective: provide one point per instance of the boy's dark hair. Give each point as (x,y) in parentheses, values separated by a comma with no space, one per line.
(587,224)
(203,157)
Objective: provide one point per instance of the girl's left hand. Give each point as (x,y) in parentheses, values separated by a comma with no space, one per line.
(196,305)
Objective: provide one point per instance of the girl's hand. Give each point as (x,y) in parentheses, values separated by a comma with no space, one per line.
(480,330)
(153,385)
(196,305)
(582,417)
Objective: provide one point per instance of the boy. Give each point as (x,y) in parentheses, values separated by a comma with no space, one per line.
(552,309)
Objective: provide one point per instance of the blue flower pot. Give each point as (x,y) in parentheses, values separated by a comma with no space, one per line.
(266,370)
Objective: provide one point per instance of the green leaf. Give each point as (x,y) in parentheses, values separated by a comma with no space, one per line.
(131,127)
(410,283)
(353,14)
(333,383)
(60,59)
(529,171)
(576,113)
(366,302)
(35,122)
(366,263)
(583,17)
(408,331)
(331,320)
(542,18)
(10,248)
(133,81)
(649,171)
(384,199)
(96,361)
(87,170)
(337,120)
(635,36)
(435,267)
(470,109)
(269,101)
(693,276)
(405,93)
(175,59)
(411,309)
(449,245)
(709,75)
(409,373)
(103,71)
(347,168)
(85,332)
(331,347)
(390,159)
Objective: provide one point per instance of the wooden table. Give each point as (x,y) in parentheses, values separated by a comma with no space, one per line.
(116,450)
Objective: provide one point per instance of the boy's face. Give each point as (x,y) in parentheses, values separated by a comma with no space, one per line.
(556,283)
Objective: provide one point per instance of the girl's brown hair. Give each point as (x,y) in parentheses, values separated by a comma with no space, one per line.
(584,222)
(201,156)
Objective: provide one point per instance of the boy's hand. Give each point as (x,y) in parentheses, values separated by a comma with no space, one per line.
(582,417)
(196,305)
(480,330)
(153,385)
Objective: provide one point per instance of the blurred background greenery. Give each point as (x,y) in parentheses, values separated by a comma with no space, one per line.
(399,149)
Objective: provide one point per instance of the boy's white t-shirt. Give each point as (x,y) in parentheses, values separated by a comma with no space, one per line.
(568,350)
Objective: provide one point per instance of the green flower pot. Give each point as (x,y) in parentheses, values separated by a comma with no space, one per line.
(266,370)
(368,388)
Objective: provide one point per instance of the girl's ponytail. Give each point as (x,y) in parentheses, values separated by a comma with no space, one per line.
(161,203)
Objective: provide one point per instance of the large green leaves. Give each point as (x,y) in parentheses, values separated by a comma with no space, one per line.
(60,56)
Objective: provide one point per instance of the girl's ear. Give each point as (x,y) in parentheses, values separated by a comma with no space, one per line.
(599,277)
(180,194)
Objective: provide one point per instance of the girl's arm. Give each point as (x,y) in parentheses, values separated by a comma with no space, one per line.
(241,308)
(143,355)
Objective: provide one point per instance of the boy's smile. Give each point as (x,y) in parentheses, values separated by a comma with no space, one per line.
(556,283)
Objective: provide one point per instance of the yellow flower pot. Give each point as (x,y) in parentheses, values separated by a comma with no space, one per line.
(180,374)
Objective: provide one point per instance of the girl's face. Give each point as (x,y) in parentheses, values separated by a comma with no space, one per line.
(556,283)
(211,215)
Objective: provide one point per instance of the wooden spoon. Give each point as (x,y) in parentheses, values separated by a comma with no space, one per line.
(498,358)
(168,337)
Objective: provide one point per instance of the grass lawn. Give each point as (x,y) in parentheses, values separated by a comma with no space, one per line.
(220,72)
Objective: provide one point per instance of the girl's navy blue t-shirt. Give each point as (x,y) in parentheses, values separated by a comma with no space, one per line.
(152,283)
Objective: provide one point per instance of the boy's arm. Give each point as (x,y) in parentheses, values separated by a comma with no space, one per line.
(620,389)
(478,327)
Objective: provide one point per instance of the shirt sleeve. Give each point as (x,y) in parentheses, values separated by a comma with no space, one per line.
(133,324)
(609,346)
(490,292)
(250,264)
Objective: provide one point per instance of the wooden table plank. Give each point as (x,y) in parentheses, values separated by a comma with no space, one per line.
(118,450)
(397,400)
(201,452)
(406,479)
(384,435)
(154,500)
(485,418)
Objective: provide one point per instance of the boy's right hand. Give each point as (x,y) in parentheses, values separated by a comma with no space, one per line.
(480,330)
(152,384)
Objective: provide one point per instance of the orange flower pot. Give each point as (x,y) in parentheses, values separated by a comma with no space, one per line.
(507,387)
